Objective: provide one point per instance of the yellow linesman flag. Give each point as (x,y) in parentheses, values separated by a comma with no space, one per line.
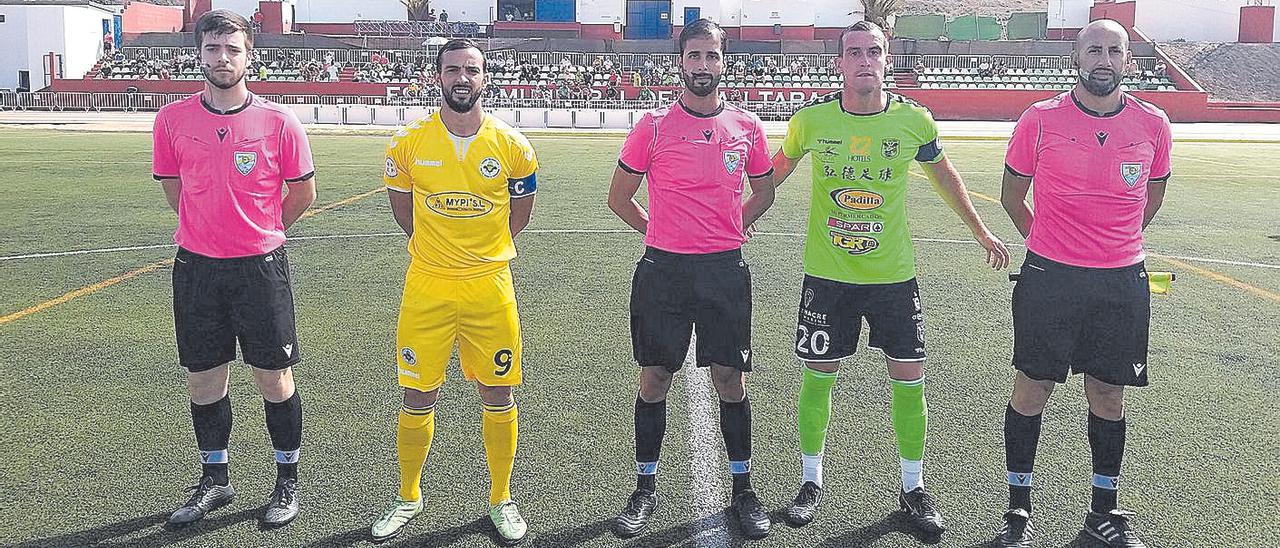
(1161,282)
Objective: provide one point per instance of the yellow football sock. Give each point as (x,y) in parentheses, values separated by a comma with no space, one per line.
(413,442)
(500,423)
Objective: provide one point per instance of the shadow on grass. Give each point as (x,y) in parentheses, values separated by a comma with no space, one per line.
(894,522)
(159,536)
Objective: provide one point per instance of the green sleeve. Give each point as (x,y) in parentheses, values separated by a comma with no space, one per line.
(793,143)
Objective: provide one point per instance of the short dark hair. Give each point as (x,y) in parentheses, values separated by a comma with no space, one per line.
(456,44)
(223,22)
(702,28)
(861,26)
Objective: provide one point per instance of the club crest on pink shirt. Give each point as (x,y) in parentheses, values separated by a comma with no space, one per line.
(732,159)
(1131,172)
(245,161)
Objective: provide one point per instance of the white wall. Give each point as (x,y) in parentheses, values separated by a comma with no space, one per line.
(345,11)
(1202,20)
(596,12)
(83,33)
(470,11)
(44,33)
(1068,14)
(13,41)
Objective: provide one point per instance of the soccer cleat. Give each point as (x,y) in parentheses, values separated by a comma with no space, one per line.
(634,518)
(1112,528)
(282,506)
(394,519)
(802,510)
(922,511)
(751,515)
(206,497)
(506,519)
(1016,532)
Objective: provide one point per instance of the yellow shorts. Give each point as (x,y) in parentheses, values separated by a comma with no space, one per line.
(478,314)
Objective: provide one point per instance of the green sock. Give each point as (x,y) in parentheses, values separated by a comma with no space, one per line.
(910,416)
(813,410)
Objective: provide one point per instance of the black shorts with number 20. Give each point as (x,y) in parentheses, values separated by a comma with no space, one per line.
(672,294)
(831,315)
(219,301)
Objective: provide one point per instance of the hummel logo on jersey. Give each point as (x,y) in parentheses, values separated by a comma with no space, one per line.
(204,456)
(1137,369)
(1102,138)
(288,350)
(746,355)
(428,163)
(222,134)
(706,134)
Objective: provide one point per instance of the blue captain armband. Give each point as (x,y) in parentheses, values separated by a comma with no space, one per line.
(524,186)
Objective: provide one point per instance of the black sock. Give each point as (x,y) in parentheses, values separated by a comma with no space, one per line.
(212,424)
(1021,436)
(1106,443)
(284,424)
(651,424)
(735,426)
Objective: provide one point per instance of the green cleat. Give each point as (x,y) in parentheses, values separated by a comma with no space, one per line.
(394,519)
(506,519)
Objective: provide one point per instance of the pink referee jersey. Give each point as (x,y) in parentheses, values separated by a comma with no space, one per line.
(696,165)
(233,167)
(1089,177)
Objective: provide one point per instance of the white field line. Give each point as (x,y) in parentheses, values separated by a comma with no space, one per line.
(46,254)
(705,465)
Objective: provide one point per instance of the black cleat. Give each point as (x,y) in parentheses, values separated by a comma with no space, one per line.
(634,518)
(282,507)
(1112,528)
(922,511)
(1017,531)
(206,498)
(802,510)
(751,515)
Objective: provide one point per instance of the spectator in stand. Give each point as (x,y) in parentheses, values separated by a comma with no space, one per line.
(492,90)
(757,66)
(985,70)
(262,72)
(795,66)
(646,94)
(1161,70)
(332,72)
(740,67)
(637,79)
(608,64)
(117,57)
(257,20)
(1001,69)
(920,68)
(597,64)
(565,63)
(444,16)
(648,66)
(771,65)
(611,91)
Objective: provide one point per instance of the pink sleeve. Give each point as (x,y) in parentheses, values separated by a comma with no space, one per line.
(164,163)
(637,150)
(1161,168)
(295,151)
(758,162)
(1020,158)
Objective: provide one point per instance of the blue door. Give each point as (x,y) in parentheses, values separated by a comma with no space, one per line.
(648,20)
(692,14)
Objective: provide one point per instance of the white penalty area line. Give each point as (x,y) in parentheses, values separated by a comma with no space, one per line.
(42,255)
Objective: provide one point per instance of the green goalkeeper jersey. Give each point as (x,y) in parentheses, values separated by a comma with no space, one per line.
(858,214)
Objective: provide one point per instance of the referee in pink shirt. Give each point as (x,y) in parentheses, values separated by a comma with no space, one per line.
(697,155)
(1099,160)
(223,157)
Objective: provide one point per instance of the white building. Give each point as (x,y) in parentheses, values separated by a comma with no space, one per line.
(1167,20)
(29,30)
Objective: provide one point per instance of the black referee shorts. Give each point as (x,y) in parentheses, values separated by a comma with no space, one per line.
(672,294)
(219,301)
(1069,319)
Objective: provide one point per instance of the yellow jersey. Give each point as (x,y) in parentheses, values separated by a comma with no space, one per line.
(462,190)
